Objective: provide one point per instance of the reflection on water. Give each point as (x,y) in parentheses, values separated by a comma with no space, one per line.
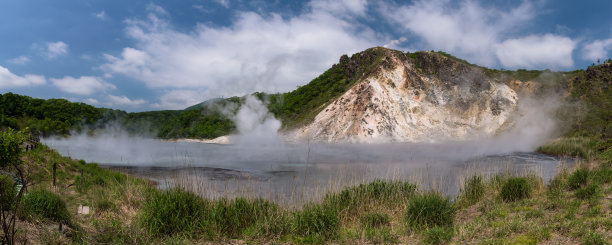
(297,173)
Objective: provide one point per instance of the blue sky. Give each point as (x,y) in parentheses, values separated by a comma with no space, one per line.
(151,55)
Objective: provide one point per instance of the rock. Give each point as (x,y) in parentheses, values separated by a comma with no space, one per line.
(427,99)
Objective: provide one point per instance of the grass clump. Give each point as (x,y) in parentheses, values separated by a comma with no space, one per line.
(515,188)
(473,191)
(438,235)
(374,220)
(42,203)
(430,209)
(587,192)
(385,191)
(316,223)
(173,211)
(231,218)
(578,179)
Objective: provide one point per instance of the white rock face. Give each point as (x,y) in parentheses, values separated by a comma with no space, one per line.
(401,103)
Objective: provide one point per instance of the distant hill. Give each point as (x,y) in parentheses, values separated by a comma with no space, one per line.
(299,108)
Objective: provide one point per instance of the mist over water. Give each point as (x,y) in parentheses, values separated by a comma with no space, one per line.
(257,158)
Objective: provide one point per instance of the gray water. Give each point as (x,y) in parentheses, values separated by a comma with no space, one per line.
(297,173)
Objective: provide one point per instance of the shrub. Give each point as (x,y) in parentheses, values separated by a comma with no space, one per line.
(41,203)
(438,235)
(172,212)
(473,190)
(429,210)
(515,188)
(578,178)
(316,220)
(374,220)
(7,192)
(587,192)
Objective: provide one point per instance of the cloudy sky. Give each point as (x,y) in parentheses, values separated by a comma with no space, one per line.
(149,55)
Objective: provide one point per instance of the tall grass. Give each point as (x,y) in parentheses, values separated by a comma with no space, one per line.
(515,188)
(430,209)
(173,211)
(44,204)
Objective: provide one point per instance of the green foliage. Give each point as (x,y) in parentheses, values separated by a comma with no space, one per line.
(595,238)
(429,210)
(231,218)
(578,179)
(473,190)
(584,147)
(374,220)
(197,124)
(515,188)
(316,222)
(300,106)
(44,204)
(10,147)
(52,116)
(173,211)
(380,191)
(438,235)
(7,192)
(587,192)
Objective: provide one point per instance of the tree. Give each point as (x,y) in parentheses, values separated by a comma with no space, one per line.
(11,164)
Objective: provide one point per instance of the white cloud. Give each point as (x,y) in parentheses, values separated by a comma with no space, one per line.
(547,51)
(256,53)
(101,15)
(597,50)
(224,3)
(56,49)
(91,101)
(179,99)
(10,80)
(479,34)
(21,60)
(84,85)
(124,101)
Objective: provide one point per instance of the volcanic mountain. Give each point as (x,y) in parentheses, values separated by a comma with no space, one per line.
(416,97)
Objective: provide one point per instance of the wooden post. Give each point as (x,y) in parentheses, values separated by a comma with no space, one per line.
(54,169)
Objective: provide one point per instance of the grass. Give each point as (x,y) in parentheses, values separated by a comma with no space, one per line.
(515,188)
(172,212)
(44,204)
(429,210)
(127,210)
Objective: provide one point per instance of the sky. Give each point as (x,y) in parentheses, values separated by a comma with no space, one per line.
(142,55)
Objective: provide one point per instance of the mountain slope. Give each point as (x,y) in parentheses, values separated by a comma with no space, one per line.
(424,96)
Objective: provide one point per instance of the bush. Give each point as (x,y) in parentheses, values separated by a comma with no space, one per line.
(438,235)
(473,190)
(429,210)
(7,192)
(41,203)
(587,192)
(578,178)
(172,212)
(374,220)
(317,221)
(515,188)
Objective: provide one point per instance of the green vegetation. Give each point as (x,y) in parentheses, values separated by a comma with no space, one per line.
(172,212)
(429,210)
(515,188)
(473,190)
(42,203)
(128,210)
